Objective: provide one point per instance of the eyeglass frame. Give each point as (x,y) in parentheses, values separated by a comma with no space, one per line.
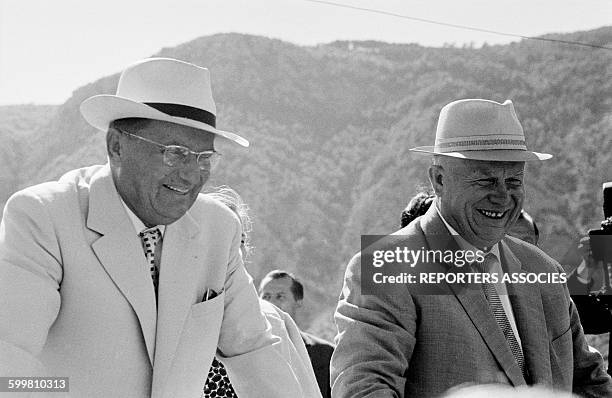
(213,158)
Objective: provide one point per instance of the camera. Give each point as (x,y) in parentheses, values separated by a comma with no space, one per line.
(601,239)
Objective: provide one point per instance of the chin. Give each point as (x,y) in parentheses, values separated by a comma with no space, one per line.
(166,219)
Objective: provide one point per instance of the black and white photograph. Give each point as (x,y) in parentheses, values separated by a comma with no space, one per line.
(305,199)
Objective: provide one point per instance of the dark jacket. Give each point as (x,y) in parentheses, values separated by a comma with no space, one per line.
(320,352)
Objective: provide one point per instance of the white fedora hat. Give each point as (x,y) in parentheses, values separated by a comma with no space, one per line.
(161,89)
(481,130)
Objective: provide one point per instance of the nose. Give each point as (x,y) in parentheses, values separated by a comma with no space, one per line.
(190,172)
(500,194)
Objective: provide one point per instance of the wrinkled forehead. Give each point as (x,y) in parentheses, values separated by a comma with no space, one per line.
(484,168)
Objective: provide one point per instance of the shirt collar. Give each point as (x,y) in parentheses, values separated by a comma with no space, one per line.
(464,244)
(136,222)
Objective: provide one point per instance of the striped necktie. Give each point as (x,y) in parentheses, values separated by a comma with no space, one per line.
(499,313)
(151,239)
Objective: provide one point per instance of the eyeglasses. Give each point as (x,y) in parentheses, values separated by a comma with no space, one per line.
(176,155)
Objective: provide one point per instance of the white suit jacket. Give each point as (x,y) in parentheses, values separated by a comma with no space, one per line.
(76,298)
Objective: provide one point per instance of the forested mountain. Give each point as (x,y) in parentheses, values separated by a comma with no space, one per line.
(331,126)
(18,125)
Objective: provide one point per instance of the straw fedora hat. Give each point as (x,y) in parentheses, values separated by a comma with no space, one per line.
(481,130)
(161,89)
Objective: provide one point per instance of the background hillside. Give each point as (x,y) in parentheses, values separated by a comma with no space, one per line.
(19,124)
(331,126)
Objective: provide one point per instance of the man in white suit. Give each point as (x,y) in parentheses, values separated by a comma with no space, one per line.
(126,279)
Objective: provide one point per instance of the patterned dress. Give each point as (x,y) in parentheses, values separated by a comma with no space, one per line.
(218,384)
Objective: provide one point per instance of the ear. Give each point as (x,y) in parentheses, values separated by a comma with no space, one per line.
(436,174)
(298,303)
(113,145)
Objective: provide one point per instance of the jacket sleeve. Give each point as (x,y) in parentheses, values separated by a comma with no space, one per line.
(376,337)
(252,354)
(30,276)
(292,346)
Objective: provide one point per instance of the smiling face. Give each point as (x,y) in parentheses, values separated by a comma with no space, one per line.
(479,199)
(156,193)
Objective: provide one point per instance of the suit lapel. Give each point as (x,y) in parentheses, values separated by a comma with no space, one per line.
(120,252)
(473,301)
(180,271)
(477,308)
(529,314)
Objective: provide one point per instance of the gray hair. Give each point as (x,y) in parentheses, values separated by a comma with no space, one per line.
(233,200)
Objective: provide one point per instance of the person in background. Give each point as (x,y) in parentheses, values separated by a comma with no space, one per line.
(417,206)
(591,299)
(525,229)
(286,292)
(218,383)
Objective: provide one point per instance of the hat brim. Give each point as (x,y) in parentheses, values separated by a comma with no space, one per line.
(101,110)
(493,155)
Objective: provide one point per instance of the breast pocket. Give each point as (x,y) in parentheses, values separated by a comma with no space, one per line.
(561,359)
(196,348)
(201,331)
(208,308)
(563,343)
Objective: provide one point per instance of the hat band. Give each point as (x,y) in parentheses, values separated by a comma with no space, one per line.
(479,143)
(185,111)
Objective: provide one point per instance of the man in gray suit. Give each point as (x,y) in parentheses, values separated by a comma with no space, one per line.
(402,343)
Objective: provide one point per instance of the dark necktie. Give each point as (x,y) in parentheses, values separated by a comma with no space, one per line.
(498,311)
(151,239)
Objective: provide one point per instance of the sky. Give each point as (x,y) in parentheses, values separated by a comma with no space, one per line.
(49,48)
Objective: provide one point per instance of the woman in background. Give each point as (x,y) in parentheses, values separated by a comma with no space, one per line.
(291,346)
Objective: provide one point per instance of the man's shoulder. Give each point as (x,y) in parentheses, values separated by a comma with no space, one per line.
(531,255)
(211,212)
(50,192)
(414,230)
(411,236)
(209,205)
(84,175)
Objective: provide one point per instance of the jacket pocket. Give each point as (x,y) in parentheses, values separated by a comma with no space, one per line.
(208,307)
(562,359)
